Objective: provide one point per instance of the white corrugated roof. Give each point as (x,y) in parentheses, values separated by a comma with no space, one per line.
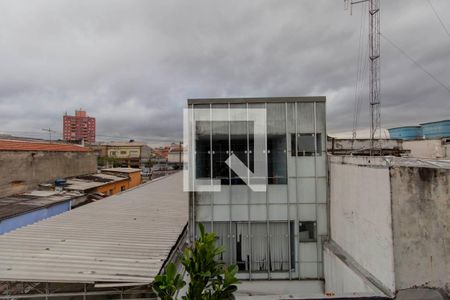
(123,238)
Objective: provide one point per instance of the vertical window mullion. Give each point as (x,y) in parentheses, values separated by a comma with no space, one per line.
(211,164)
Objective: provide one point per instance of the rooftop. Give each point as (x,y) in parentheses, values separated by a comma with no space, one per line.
(124,144)
(19,204)
(122,170)
(257,100)
(436,122)
(125,239)
(15,145)
(390,161)
(87,182)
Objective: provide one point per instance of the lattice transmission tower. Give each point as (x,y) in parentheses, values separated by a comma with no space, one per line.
(374,70)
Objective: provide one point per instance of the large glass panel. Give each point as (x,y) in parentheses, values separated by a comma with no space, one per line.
(257,134)
(260,258)
(238,136)
(276,143)
(242,247)
(306,144)
(305,117)
(320,123)
(202,141)
(290,112)
(220,142)
(279,246)
(222,229)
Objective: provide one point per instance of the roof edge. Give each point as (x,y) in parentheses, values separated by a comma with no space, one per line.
(257,100)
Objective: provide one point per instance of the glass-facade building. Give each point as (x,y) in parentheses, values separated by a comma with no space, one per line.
(276,233)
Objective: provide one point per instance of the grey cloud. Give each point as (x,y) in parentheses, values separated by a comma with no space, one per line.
(133,64)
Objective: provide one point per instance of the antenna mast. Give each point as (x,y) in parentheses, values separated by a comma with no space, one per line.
(374,59)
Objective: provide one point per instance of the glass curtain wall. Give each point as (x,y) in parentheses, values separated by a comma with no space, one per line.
(263,242)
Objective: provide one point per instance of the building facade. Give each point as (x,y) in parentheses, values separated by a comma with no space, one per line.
(79,127)
(127,154)
(26,164)
(275,231)
(132,174)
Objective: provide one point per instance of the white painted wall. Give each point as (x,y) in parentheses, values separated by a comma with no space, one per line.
(174,157)
(360,214)
(341,280)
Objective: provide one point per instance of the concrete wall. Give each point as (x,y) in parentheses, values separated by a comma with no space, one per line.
(341,280)
(360,215)
(357,144)
(426,148)
(421,221)
(22,170)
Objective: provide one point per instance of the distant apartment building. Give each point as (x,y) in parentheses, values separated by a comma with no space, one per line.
(278,232)
(79,127)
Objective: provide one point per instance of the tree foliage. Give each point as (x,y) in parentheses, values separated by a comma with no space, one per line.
(209,279)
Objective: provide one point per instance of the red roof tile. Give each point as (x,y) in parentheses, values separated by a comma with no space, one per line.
(8,145)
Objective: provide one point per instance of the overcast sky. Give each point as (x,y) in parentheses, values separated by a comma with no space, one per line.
(133,64)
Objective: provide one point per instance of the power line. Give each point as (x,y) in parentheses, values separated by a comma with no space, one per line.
(358,76)
(439,18)
(415,62)
(361,77)
(41,134)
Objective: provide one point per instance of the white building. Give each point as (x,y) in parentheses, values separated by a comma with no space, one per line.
(273,234)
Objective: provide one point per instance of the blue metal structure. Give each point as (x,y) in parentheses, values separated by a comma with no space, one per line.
(406,133)
(30,217)
(436,130)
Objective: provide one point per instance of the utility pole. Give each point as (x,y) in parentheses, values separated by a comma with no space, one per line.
(181,153)
(49,133)
(374,59)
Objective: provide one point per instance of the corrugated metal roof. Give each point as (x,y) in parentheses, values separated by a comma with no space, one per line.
(125,238)
(22,203)
(9,145)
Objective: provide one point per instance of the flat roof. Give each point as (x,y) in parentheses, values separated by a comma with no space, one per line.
(433,122)
(390,161)
(125,238)
(87,182)
(26,202)
(122,170)
(16,145)
(257,100)
(405,127)
(123,144)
